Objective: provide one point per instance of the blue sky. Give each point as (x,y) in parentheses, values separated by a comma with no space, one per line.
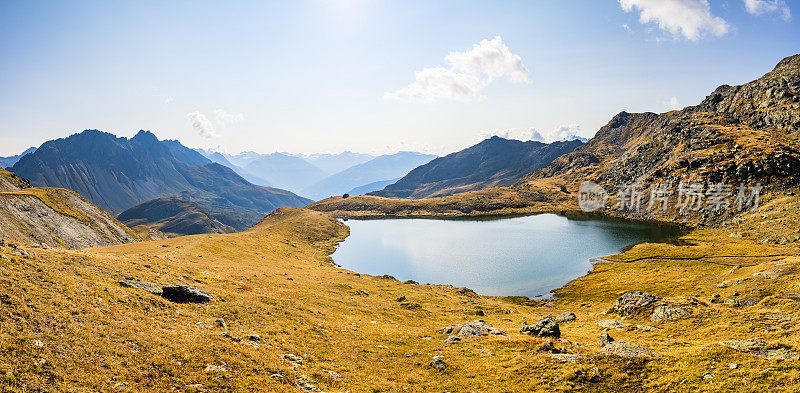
(328,76)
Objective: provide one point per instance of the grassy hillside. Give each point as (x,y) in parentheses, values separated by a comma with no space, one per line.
(173,217)
(68,324)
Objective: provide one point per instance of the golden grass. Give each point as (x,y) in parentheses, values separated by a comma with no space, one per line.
(99,336)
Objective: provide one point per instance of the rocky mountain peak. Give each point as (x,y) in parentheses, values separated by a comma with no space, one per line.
(789,63)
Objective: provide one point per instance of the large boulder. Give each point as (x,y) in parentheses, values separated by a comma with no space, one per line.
(566,316)
(186,294)
(634,302)
(545,327)
(461,331)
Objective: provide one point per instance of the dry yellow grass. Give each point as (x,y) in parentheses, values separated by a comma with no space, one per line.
(276,280)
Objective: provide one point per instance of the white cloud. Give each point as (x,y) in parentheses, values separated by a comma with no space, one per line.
(222,117)
(690,18)
(759,7)
(626,27)
(466,75)
(674,104)
(201,123)
(566,132)
(168,100)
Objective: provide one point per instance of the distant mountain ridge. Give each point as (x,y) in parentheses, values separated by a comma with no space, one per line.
(279,169)
(378,169)
(221,159)
(335,163)
(119,173)
(493,162)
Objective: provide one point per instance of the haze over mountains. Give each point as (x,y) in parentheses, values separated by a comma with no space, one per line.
(318,176)
(493,162)
(382,168)
(119,173)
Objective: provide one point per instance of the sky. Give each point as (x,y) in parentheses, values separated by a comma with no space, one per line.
(314,76)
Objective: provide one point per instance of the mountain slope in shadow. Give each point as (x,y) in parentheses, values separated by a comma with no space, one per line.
(119,173)
(493,162)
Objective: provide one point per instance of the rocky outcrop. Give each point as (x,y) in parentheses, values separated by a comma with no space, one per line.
(635,302)
(760,348)
(57,218)
(744,134)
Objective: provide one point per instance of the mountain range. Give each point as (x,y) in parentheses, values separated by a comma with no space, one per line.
(320,175)
(334,163)
(119,173)
(493,162)
(745,135)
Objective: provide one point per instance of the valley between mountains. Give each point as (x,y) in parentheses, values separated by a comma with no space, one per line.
(265,308)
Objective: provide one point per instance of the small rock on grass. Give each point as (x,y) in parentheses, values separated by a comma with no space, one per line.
(146,286)
(306,384)
(438,364)
(565,357)
(410,305)
(213,368)
(293,358)
(605,339)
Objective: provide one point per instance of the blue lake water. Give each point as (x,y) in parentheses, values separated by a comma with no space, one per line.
(527,256)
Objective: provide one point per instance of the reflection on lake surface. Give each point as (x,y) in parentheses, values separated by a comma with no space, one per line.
(511,256)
